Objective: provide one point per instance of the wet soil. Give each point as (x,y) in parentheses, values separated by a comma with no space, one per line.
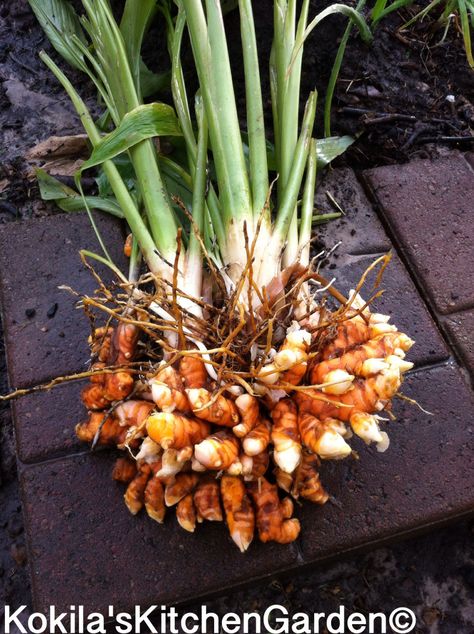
(400,76)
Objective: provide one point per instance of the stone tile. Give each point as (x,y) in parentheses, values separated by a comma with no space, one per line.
(461,330)
(109,557)
(426,476)
(35,258)
(44,422)
(429,207)
(400,300)
(359,229)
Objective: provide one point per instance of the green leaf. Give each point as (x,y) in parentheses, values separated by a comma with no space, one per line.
(141,123)
(152,83)
(60,22)
(329,148)
(68,199)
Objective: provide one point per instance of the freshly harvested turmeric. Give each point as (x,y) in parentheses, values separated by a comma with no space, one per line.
(257,440)
(322,438)
(107,426)
(93,397)
(307,483)
(154,497)
(218,451)
(186,513)
(254,467)
(193,371)
(100,343)
(133,412)
(124,470)
(240,516)
(183,484)
(174,431)
(168,391)
(273,517)
(123,344)
(213,409)
(135,494)
(207,500)
(117,386)
(249,411)
(285,435)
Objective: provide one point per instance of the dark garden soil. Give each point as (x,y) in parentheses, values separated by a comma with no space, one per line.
(402,97)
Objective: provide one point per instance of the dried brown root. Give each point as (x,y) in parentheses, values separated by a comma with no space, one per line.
(273,517)
(240,516)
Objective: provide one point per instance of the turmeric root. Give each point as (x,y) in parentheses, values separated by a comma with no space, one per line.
(240,516)
(285,435)
(133,412)
(273,517)
(170,464)
(108,427)
(207,500)
(290,361)
(249,410)
(257,440)
(219,410)
(254,467)
(135,494)
(321,438)
(307,482)
(183,484)
(101,342)
(118,386)
(218,451)
(123,344)
(349,334)
(176,431)
(193,371)
(124,470)
(364,360)
(155,498)
(186,513)
(93,397)
(168,391)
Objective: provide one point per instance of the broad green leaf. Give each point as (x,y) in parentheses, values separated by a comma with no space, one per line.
(60,22)
(141,123)
(68,199)
(136,18)
(329,148)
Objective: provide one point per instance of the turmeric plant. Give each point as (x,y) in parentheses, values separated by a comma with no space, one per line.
(228,366)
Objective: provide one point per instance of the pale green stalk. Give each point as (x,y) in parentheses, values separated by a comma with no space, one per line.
(121,192)
(308,205)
